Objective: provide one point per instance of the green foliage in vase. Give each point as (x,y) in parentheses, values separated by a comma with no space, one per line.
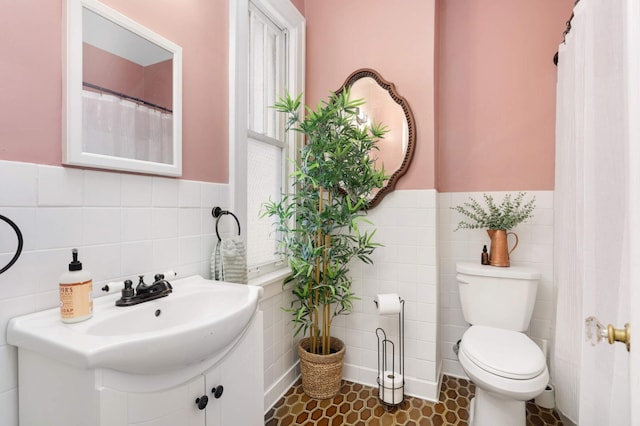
(318,224)
(507,215)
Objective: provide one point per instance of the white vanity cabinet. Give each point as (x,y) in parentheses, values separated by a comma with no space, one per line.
(57,394)
(173,406)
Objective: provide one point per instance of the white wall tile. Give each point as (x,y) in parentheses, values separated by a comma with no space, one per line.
(103,261)
(102,188)
(165,255)
(23,190)
(535,249)
(136,224)
(189,249)
(8,407)
(25,219)
(50,265)
(189,222)
(165,192)
(110,218)
(137,258)
(164,223)
(214,195)
(58,227)
(101,225)
(189,193)
(136,190)
(207,221)
(8,368)
(153,233)
(13,307)
(60,186)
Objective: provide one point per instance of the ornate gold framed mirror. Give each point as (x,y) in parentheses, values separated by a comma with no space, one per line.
(384,105)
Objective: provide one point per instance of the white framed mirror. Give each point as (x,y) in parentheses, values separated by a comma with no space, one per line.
(122,95)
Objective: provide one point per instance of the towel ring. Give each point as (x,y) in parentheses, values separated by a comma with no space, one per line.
(20,242)
(217,212)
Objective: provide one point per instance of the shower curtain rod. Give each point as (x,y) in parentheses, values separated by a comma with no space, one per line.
(125,96)
(564,34)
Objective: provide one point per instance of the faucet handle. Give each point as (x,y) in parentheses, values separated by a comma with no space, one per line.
(127,291)
(158,277)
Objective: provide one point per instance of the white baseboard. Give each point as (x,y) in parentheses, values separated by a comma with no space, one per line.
(415,387)
(281,386)
(453,368)
(566,421)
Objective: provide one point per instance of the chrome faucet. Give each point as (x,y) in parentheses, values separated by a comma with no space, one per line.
(143,292)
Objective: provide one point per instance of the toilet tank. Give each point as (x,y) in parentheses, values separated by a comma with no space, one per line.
(497,296)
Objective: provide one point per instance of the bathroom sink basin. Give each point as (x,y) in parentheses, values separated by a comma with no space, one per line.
(198,320)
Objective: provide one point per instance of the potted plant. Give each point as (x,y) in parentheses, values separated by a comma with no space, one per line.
(498,220)
(318,228)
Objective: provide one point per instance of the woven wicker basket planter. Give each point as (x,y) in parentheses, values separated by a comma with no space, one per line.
(321,374)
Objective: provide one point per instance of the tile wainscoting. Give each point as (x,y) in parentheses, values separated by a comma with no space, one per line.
(122,224)
(406,264)
(125,224)
(535,248)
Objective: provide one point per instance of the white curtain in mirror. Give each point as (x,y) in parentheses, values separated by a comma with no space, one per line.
(121,128)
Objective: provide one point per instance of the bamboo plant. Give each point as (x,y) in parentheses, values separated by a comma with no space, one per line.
(318,223)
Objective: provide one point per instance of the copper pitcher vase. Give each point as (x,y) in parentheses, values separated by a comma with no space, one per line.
(499,252)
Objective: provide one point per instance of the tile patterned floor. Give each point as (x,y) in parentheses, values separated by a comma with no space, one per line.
(357,405)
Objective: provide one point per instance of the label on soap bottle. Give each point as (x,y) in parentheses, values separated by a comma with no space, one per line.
(75,301)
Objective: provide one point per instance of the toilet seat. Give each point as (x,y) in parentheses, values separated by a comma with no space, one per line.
(504,353)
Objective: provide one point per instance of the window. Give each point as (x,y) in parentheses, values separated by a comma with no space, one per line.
(268,44)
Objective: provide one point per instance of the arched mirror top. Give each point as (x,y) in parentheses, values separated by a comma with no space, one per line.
(384,105)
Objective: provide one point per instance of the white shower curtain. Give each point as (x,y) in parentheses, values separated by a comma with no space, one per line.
(121,128)
(591,215)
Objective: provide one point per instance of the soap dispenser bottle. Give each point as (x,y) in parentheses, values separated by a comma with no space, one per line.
(76,286)
(484,258)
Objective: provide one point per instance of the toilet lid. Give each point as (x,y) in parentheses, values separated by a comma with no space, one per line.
(504,353)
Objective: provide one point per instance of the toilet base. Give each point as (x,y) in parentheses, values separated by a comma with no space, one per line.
(489,409)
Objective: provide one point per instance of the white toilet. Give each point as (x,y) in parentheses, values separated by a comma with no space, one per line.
(506,366)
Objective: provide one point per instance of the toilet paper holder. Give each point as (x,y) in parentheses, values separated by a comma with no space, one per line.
(391,380)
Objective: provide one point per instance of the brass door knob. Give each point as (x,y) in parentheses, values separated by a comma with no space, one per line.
(620,335)
(595,332)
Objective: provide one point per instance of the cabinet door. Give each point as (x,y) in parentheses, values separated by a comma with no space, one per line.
(214,408)
(175,406)
(241,375)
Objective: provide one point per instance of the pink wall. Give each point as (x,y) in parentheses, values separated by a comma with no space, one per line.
(31,78)
(497,93)
(397,41)
(495,118)
(157,83)
(299,4)
(111,71)
(152,83)
(30,81)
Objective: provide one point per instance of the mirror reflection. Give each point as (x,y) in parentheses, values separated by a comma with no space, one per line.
(384,105)
(127,95)
(123,93)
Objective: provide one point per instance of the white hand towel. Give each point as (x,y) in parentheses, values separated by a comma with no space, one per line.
(229,261)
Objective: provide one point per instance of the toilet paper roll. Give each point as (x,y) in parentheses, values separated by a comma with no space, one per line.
(547,398)
(392,389)
(387,303)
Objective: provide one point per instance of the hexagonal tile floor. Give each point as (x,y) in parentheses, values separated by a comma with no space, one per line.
(358,404)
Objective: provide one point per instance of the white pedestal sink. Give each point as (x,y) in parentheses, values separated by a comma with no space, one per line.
(195,322)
